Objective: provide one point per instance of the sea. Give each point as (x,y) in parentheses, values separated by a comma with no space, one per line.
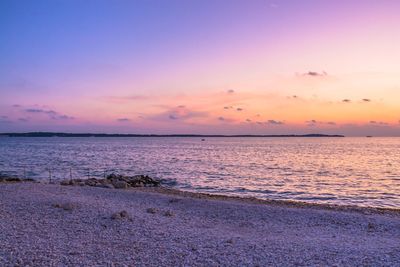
(345,171)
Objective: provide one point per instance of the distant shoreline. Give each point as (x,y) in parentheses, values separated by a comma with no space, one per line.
(53,134)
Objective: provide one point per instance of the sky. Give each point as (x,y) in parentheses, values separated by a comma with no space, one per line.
(201,66)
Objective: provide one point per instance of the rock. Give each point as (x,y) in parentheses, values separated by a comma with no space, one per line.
(151,210)
(6,179)
(169,213)
(124,214)
(92,182)
(120,215)
(115,181)
(77,182)
(65,206)
(116,216)
(66,182)
(134,181)
(230,241)
(120,184)
(9,179)
(371,227)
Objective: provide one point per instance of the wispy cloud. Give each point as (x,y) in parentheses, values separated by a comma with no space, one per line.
(180,113)
(36,110)
(123,120)
(5,119)
(127,98)
(315,74)
(312,123)
(51,113)
(173,117)
(346,100)
(378,123)
(275,122)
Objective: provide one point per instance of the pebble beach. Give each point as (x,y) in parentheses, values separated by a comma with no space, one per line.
(55,225)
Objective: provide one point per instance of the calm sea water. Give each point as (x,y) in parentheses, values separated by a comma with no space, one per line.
(360,171)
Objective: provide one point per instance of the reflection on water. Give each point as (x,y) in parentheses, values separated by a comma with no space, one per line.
(361,171)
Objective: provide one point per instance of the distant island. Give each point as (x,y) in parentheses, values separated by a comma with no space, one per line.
(51,134)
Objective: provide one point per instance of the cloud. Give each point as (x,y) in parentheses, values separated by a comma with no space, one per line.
(34,110)
(123,120)
(128,98)
(230,91)
(312,123)
(62,117)
(239,109)
(16,106)
(173,117)
(315,74)
(275,122)
(248,120)
(378,123)
(178,113)
(346,100)
(366,100)
(221,118)
(228,107)
(4,119)
(51,113)
(23,119)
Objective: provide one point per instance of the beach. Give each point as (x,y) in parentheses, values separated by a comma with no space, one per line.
(54,225)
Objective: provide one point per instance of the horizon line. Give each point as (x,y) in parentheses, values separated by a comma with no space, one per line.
(68,134)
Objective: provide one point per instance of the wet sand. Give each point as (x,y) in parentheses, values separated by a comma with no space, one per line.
(53,225)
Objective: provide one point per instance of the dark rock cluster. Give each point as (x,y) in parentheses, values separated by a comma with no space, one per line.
(115,181)
(10,179)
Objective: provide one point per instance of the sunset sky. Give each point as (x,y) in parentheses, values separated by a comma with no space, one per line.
(207,67)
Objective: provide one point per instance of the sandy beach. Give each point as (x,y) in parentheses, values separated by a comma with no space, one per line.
(54,225)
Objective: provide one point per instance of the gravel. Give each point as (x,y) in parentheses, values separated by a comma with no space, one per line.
(53,225)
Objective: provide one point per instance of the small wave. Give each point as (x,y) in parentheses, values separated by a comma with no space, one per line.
(169,182)
(316,198)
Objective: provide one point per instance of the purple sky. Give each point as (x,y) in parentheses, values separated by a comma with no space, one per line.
(229,67)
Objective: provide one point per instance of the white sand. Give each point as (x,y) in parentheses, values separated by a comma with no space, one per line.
(36,230)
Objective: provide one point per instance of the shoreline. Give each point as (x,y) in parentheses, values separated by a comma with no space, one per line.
(273,202)
(169,190)
(50,224)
